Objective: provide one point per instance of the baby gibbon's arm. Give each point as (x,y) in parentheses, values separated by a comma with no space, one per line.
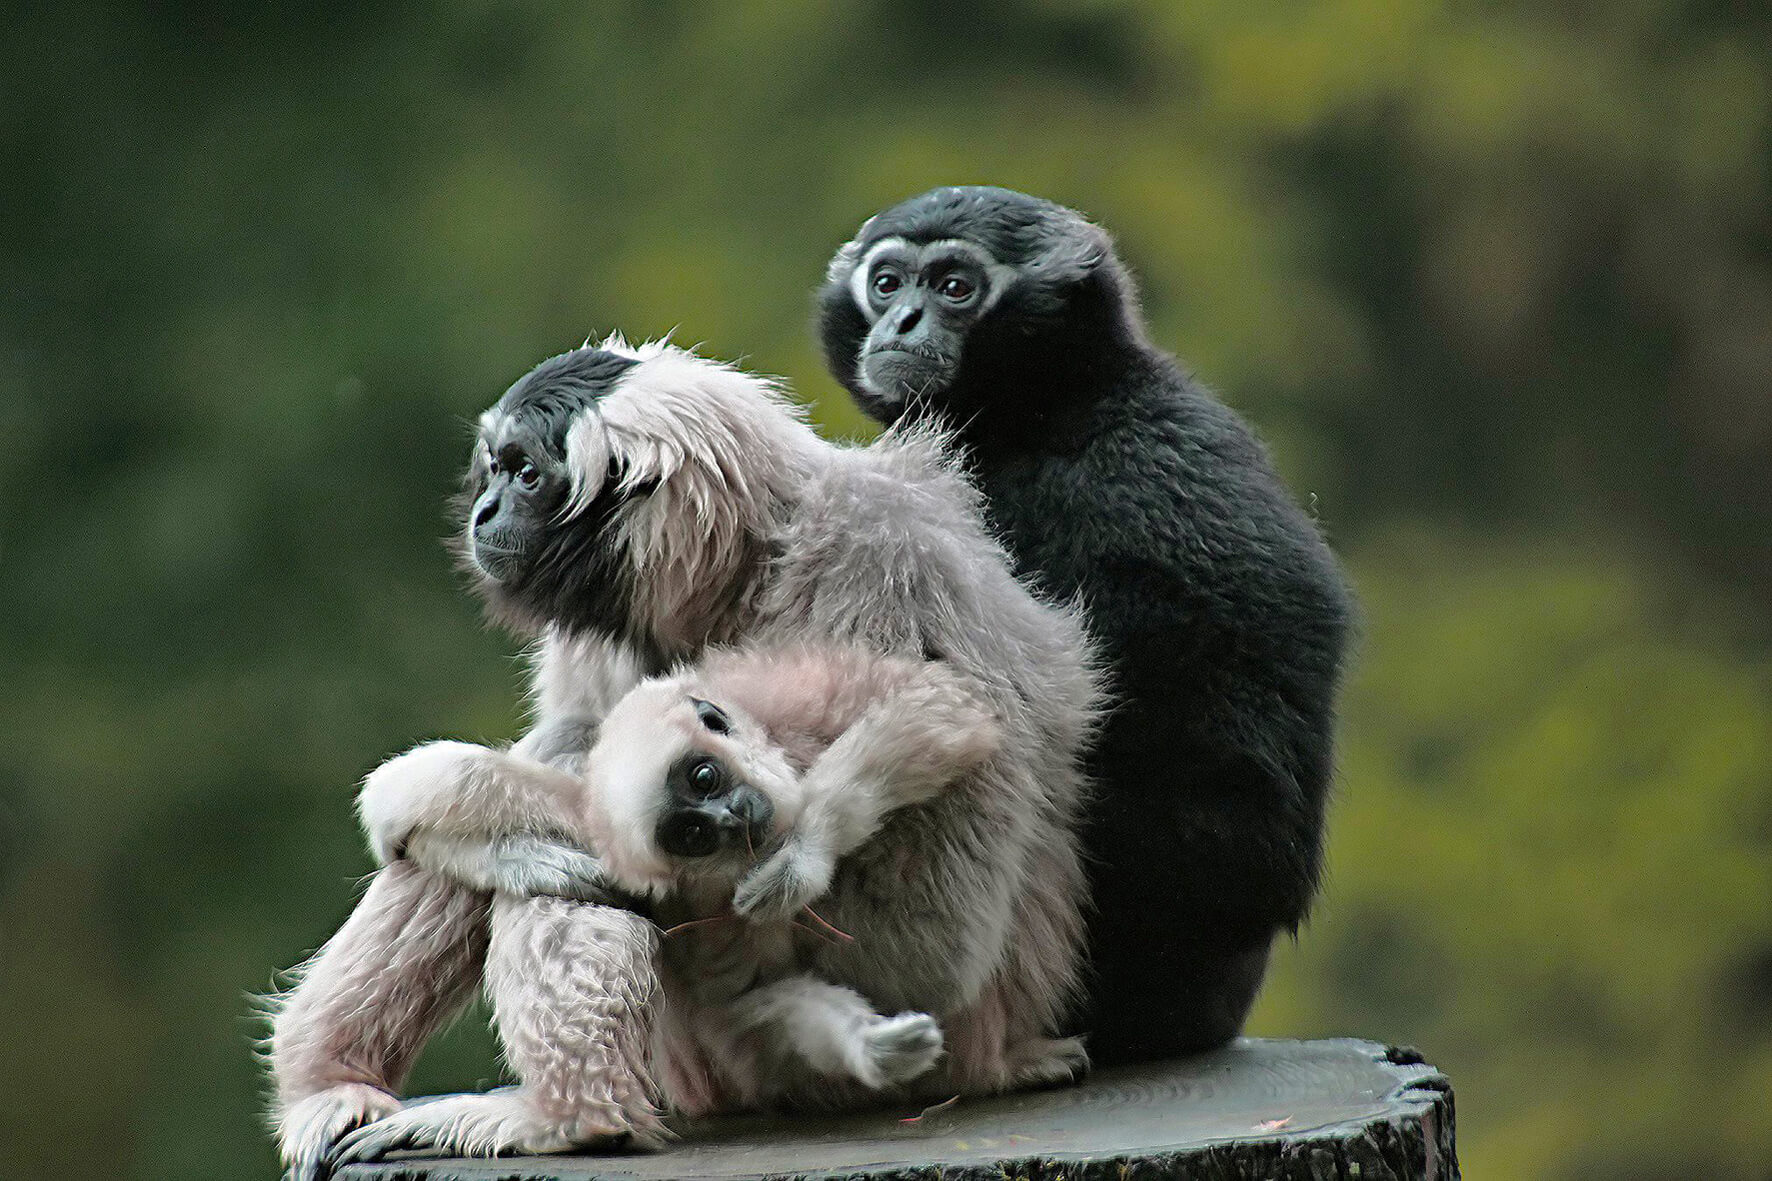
(917,737)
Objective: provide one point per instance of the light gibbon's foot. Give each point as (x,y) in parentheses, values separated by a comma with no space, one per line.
(900,1049)
(496,1123)
(308,1129)
(785,883)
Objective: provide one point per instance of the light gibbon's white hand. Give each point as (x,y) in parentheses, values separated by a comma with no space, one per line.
(489,819)
(906,748)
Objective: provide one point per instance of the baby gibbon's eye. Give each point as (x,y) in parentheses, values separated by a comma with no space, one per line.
(705,778)
(712,716)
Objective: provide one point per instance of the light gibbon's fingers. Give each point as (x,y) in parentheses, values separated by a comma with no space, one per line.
(786,882)
(502,1121)
(917,739)
(836,1032)
(521,863)
(466,791)
(403,963)
(307,1130)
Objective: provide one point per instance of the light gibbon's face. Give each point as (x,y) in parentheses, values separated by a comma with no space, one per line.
(622,490)
(683,788)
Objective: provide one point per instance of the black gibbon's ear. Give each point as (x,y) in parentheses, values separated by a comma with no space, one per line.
(712,716)
(1071,249)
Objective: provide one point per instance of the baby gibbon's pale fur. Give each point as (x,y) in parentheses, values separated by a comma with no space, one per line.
(834,739)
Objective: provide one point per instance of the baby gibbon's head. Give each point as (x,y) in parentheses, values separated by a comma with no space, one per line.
(683,788)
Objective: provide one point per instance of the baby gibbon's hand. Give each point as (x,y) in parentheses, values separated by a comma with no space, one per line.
(785,883)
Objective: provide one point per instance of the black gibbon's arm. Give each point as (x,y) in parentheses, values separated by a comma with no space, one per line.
(1223,617)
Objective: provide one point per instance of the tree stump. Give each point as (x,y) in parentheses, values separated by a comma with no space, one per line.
(1257,1110)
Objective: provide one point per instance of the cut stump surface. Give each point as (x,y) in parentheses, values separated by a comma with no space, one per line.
(1336,1110)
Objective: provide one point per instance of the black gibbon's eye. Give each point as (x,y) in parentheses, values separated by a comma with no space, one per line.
(705,778)
(528,475)
(886,282)
(712,716)
(956,288)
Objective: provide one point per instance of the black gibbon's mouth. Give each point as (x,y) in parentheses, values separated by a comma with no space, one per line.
(916,354)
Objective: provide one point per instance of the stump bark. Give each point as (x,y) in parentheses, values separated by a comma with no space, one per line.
(1336,1110)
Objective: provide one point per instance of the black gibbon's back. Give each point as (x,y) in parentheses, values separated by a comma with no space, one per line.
(1223,616)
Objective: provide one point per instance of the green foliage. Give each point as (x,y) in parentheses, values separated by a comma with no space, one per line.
(1550,863)
(1493,279)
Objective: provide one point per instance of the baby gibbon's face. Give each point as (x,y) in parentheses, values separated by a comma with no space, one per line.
(685,787)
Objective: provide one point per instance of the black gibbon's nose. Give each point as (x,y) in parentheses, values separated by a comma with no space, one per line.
(487,509)
(909,320)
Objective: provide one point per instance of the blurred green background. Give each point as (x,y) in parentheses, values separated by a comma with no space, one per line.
(1495,280)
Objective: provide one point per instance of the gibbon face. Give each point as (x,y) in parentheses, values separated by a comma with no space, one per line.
(622,490)
(921,300)
(942,299)
(683,788)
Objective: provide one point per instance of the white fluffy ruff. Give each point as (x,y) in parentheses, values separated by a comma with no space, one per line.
(720,446)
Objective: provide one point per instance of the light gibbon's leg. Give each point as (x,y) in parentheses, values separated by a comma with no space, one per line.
(573,988)
(489,819)
(835,1032)
(343,1039)
(904,749)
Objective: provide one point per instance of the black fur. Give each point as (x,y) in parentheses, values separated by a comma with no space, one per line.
(1110,473)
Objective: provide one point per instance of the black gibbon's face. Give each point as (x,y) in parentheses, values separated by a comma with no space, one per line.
(920,300)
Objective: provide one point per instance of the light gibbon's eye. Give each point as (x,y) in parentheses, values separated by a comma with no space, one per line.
(956,288)
(712,716)
(886,282)
(528,475)
(704,777)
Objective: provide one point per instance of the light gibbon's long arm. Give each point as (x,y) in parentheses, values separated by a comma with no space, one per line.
(489,819)
(912,741)
(343,1039)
